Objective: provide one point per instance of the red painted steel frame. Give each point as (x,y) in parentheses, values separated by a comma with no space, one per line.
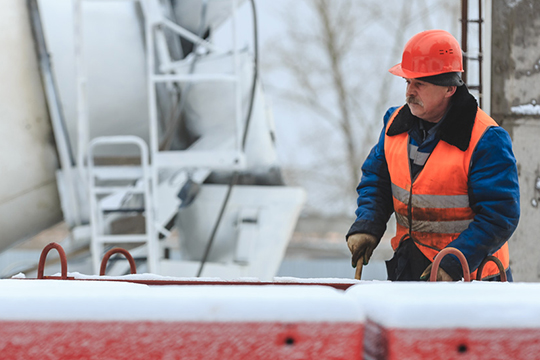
(455,343)
(34,340)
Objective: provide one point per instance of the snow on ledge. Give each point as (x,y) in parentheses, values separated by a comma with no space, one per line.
(287,279)
(64,300)
(527,109)
(154,277)
(425,305)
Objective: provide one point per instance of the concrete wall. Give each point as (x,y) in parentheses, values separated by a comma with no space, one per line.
(515,97)
(28,196)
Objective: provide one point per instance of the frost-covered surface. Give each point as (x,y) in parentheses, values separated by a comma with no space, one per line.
(513,3)
(154,277)
(420,305)
(450,305)
(527,109)
(109,301)
(285,279)
(143,277)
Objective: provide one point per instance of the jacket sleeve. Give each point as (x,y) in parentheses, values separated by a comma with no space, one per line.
(374,191)
(494,197)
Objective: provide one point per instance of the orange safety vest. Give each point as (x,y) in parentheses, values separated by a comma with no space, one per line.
(434,209)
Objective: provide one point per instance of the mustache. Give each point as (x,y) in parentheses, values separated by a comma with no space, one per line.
(413,100)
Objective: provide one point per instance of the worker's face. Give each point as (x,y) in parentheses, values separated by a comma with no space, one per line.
(427,101)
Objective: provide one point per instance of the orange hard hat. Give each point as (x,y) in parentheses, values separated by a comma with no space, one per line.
(429,53)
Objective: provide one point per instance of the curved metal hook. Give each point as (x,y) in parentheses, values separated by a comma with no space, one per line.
(441,255)
(497,262)
(127,255)
(43,257)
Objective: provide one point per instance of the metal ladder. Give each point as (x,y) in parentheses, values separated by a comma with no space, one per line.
(195,161)
(161,69)
(155,21)
(140,177)
(467,56)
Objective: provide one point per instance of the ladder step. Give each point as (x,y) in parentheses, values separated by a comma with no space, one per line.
(113,239)
(193,78)
(104,190)
(117,172)
(123,210)
(213,159)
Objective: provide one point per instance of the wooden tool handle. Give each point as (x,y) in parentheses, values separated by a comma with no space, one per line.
(358,273)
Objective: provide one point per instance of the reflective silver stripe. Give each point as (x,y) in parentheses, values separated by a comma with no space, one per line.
(431,201)
(418,158)
(440,201)
(400,194)
(402,220)
(439,227)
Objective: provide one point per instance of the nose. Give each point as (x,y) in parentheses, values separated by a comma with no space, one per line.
(410,90)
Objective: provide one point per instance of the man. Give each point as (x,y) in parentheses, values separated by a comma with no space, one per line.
(444,167)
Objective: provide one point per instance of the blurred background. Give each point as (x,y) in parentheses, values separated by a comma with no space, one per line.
(323,70)
(325,64)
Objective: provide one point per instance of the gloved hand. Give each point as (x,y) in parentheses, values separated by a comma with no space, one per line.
(441,274)
(361,247)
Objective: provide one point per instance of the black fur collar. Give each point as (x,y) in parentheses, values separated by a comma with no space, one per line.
(457,127)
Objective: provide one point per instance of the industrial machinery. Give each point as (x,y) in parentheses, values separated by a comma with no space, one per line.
(163,136)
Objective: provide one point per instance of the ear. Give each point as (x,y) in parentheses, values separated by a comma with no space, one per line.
(450,91)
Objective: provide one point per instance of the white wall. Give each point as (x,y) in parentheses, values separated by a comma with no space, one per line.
(28,196)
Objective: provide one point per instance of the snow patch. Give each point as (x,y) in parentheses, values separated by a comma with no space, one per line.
(141,277)
(286,279)
(513,3)
(527,109)
(154,277)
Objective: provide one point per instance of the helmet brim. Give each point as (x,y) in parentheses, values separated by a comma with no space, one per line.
(399,71)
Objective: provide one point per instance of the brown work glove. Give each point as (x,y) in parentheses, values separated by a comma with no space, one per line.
(441,274)
(361,247)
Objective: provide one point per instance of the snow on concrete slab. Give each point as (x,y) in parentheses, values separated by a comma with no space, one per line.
(146,277)
(65,300)
(450,305)
(154,277)
(287,279)
(527,109)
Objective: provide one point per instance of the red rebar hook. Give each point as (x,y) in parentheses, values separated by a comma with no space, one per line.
(111,252)
(43,257)
(497,262)
(441,255)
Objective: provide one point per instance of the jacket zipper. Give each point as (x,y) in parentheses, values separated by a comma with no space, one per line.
(409,207)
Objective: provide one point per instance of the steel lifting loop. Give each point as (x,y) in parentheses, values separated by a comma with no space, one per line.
(43,257)
(441,255)
(111,252)
(497,262)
